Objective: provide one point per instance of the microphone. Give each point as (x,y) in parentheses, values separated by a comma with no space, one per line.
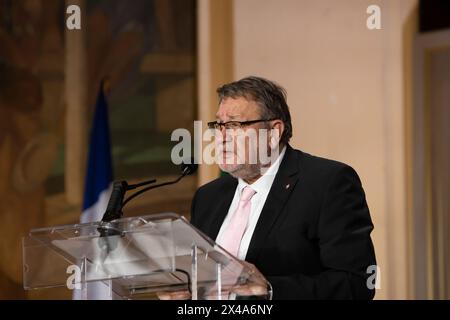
(114,208)
(107,242)
(188,167)
(116,202)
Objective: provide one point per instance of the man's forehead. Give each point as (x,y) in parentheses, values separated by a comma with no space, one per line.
(235,107)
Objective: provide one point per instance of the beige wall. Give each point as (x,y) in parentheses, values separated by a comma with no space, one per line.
(215,60)
(345,90)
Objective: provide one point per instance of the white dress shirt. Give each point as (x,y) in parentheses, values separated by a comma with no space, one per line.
(262,187)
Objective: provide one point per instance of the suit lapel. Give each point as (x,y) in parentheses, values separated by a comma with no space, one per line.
(280,191)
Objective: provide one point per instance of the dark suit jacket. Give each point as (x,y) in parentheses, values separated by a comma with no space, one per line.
(312,240)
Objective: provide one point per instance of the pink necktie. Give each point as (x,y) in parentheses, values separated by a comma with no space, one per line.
(235,230)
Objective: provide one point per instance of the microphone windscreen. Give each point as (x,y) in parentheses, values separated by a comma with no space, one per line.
(189,166)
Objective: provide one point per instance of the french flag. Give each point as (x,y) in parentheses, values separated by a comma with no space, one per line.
(99,176)
(98,186)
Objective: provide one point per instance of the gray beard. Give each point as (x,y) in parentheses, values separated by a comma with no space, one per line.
(246,171)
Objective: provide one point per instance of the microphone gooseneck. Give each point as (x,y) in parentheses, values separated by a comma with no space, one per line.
(116,201)
(186,169)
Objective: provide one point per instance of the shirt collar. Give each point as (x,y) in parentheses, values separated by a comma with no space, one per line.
(264,183)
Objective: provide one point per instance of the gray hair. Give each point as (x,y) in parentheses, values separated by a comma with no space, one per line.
(270,96)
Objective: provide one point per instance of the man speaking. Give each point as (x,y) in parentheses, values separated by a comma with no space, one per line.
(300,220)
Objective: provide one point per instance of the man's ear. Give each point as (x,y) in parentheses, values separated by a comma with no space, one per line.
(276,132)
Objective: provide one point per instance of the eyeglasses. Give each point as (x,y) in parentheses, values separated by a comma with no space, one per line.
(234,124)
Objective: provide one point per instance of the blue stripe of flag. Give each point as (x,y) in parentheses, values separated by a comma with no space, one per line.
(99,167)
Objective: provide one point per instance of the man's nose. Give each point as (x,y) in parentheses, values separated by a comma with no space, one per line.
(221,133)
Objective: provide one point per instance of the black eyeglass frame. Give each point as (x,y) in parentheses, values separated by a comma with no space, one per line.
(219,125)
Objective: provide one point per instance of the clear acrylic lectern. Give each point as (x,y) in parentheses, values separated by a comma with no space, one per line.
(136,258)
